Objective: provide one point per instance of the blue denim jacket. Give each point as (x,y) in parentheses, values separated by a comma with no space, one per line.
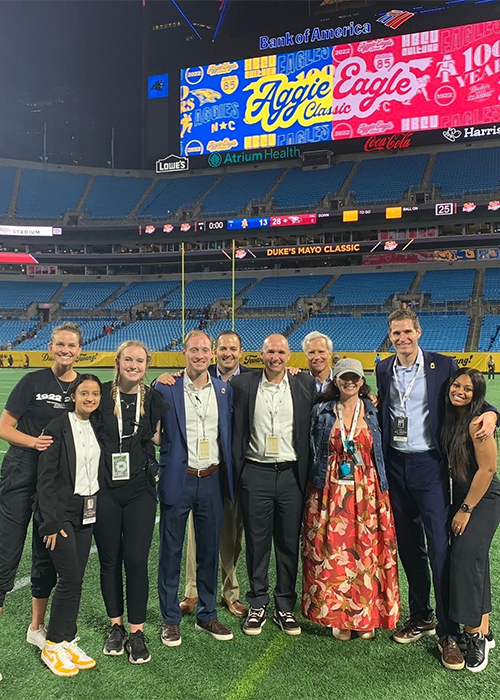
(322,420)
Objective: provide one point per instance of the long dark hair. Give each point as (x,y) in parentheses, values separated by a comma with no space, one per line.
(455,437)
(332,392)
(95,416)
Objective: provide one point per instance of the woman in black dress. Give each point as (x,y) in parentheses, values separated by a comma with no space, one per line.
(476,512)
(131,413)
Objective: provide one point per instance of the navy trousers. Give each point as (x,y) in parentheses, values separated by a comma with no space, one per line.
(204,497)
(419,493)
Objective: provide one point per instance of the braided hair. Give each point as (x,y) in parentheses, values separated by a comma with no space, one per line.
(116,376)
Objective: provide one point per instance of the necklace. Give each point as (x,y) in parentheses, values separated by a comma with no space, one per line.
(128,405)
(61,386)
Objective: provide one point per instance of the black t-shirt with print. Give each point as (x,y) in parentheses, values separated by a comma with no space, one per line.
(36,399)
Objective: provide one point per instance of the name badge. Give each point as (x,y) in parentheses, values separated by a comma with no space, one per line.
(203,449)
(272,445)
(346,472)
(400,429)
(120,466)
(89,510)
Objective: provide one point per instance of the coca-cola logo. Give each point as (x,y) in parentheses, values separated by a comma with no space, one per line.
(393,142)
(366,91)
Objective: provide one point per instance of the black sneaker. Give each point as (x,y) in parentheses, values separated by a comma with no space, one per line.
(463,638)
(136,648)
(477,652)
(287,621)
(115,643)
(256,619)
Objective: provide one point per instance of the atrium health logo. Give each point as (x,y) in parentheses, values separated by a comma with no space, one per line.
(214,160)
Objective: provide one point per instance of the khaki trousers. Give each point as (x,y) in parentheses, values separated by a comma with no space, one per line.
(229,550)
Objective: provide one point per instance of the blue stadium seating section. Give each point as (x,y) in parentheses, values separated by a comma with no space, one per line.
(202,293)
(489,338)
(10,330)
(253,332)
(171,193)
(47,195)
(347,333)
(383,180)
(367,289)
(7,176)
(448,285)
(139,292)
(467,172)
(491,289)
(41,340)
(157,335)
(235,191)
(305,189)
(87,295)
(282,292)
(19,295)
(90,330)
(115,197)
(444,334)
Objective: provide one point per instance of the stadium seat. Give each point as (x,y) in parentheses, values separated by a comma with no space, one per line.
(448,285)
(491,289)
(156,335)
(367,289)
(364,334)
(19,295)
(444,334)
(467,172)
(304,189)
(139,292)
(236,190)
(384,180)
(87,295)
(253,332)
(7,176)
(202,293)
(114,197)
(48,195)
(171,193)
(489,339)
(282,292)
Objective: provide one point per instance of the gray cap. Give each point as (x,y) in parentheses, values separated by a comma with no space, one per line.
(348,366)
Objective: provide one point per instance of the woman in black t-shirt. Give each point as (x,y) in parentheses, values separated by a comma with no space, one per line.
(36,399)
(126,506)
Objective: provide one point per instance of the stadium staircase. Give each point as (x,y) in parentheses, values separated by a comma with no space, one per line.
(426,177)
(14,194)
(85,193)
(416,282)
(476,312)
(347,182)
(267,201)
(197,210)
(135,210)
(59,292)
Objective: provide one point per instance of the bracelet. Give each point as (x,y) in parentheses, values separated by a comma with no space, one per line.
(466,508)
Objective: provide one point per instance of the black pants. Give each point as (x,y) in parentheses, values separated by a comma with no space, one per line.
(491,373)
(17,487)
(470,590)
(418,489)
(272,505)
(123,533)
(70,558)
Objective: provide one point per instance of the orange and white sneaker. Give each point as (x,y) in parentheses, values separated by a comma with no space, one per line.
(79,658)
(56,657)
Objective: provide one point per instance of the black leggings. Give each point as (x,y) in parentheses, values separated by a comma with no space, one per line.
(70,559)
(17,487)
(123,533)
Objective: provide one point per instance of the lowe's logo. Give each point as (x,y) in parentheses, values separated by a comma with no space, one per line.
(172,163)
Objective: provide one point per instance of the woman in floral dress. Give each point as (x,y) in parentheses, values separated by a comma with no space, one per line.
(350,580)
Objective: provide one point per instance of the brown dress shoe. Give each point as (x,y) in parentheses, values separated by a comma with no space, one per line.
(215,628)
(451,656)
(187,605)
(236,608)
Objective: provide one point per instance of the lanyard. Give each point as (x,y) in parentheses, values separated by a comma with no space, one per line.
(404,398)
(119,417)
(272,410)
(348,442)
(86,440)
(196,402)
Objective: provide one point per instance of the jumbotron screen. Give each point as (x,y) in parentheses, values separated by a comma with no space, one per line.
(436,79)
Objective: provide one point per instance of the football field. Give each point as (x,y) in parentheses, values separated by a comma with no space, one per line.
(271,666)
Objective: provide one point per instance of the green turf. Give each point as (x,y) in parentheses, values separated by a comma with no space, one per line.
(270,667)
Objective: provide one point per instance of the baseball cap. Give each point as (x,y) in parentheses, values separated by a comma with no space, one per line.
(348,366)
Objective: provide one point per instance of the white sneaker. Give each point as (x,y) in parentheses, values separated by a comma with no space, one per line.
(57,658)
(80,659)
(37,637)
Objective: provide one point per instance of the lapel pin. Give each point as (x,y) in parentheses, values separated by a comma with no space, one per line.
(432,365)
(223,390)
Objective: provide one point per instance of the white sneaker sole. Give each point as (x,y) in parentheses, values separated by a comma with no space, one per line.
(59,673)
(218,637)
(427,633)
(482,666)
(292,633)
(174,643)
(113,652)
(138,661)
(254,632)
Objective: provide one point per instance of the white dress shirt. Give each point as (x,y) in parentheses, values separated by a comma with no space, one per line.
(202,422)
(88,453)
(273,416)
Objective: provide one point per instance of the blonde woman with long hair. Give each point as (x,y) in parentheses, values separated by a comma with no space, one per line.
(131,413)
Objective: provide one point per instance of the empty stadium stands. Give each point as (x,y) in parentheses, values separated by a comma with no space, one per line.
(139,292)
(444,333)
(282,292)
(236,190)
(171,193)
(157,335)
(305,189)
(10,330)
(114,197)
(87,295)
(7,176)
(383,180)
(48,195)
(467,172)
(253,332)
(489,337)
(347,332)
(202,293)
(19,295)
(366,289)
(448,285)
(491,289)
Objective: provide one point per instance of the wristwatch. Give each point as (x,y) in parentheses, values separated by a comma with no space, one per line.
(466,508)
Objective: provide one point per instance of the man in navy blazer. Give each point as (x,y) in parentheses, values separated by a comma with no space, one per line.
(411,389)
(196,472)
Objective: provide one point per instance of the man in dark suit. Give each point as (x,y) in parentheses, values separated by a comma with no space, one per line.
(271,454)
(196,472)
(411,388)
(228,351)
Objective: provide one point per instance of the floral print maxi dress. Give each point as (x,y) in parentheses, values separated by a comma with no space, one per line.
(350,577)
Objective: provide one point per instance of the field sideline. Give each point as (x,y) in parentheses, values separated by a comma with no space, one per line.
(272,666)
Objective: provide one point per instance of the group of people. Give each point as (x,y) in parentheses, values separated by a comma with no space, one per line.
(310,462)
